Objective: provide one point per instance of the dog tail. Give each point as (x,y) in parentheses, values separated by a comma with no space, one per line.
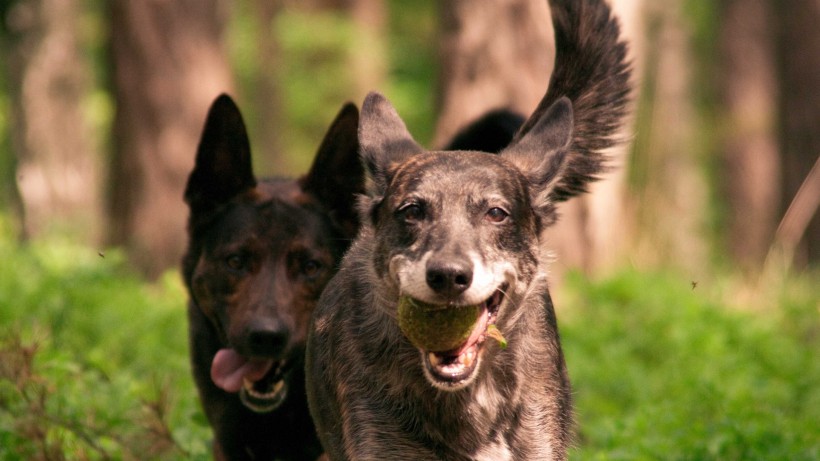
(591,69)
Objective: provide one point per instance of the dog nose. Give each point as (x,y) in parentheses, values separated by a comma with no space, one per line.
(450,278)
(266,339)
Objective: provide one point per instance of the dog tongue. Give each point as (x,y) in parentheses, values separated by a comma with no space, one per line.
(478,329)
(229,369)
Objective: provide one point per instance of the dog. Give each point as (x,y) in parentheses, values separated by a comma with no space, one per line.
(464,228)
(259,255)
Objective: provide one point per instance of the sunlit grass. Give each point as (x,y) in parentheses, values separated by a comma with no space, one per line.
(94,361)
(662,370)
(94,364)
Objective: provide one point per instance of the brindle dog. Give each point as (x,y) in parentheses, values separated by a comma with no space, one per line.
(464,228)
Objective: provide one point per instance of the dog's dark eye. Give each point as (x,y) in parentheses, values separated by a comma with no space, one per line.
(497,215)
(412,212)
(235,262)
(311,268)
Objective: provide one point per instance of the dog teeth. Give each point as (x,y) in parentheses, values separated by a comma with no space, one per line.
(468,357)
(260,395)
(453,365)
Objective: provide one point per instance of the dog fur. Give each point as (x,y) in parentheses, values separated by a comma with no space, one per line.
(465,228)
(259,255)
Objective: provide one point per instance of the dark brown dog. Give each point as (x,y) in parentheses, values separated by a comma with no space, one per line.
(259,255)
(462,231)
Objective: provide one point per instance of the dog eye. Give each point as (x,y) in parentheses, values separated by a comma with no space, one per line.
(497,215)
(235,262)
(311,268)
(412,212)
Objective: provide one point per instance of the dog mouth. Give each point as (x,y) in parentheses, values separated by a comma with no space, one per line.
(455,368)
(260,382)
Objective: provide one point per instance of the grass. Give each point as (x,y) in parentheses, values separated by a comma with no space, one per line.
(662,370)
(93,364)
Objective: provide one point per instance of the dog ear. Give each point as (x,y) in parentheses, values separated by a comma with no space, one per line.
(384,141)
(542,153)
(223,160)
(337,175)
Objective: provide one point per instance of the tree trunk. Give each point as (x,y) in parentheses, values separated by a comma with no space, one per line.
(367,55)
(169,64)
(669,197)
(57,160)
(493,55)
(751,161)
(265,119)
(799,48)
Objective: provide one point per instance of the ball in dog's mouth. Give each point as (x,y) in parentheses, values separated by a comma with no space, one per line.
(450,338)
(260,382)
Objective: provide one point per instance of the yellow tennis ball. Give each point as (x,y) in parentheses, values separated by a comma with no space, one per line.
(436,328)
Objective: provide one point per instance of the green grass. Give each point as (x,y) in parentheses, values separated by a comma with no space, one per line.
(661,370)
(93,364)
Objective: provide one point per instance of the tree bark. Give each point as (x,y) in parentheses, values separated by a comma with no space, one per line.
(751,159)
(57,167)
(169,63)
(493,55)
(265,119)
(669,196)
(799,49)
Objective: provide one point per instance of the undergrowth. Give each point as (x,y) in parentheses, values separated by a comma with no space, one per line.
(93,364)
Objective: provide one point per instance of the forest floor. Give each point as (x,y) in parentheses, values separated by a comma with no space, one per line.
(94,364)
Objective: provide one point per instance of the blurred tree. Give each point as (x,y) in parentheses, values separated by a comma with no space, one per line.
(669,192)
(493,55)
(48,79)
(367,56)
(799,71)
(297,62)
(751,160)
(169,63)
(264,91)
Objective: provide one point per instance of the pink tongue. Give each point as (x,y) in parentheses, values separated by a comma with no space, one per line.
(229,368)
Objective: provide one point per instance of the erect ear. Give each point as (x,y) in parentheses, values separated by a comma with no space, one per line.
(223,160)
(384,141)
(542,153)
(337,175)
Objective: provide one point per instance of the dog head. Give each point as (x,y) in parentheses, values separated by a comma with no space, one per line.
(461,228)
(262,251)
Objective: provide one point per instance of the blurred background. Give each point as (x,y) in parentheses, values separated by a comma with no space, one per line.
(712,204)
(103,102)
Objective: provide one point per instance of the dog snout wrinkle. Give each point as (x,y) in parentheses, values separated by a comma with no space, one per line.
(449,278)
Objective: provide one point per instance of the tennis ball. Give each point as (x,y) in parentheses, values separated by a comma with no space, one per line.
(436,328)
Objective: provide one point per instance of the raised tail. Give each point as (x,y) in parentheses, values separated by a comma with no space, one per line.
(591,69)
